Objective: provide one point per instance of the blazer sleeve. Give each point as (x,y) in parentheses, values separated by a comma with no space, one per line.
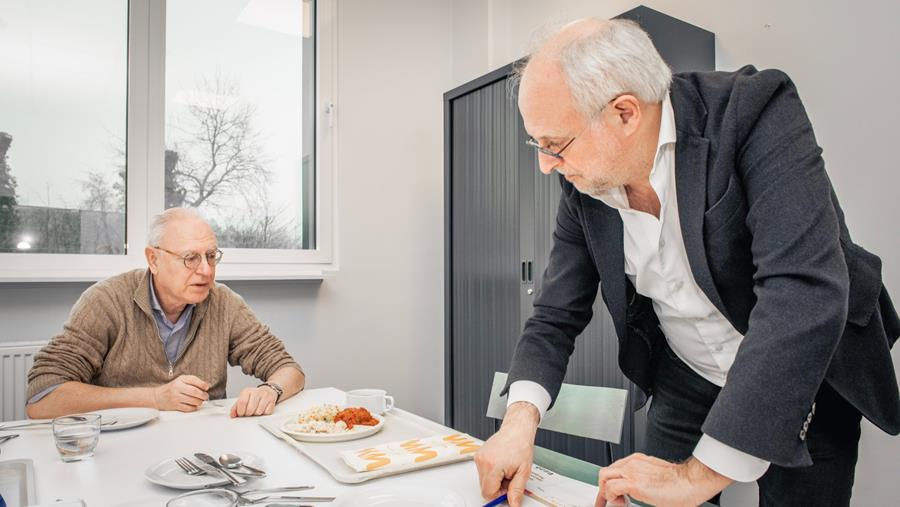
(562,307)
(800,282)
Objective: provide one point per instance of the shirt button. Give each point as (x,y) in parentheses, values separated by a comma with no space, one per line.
(718,347)
(662,243)
(678,285)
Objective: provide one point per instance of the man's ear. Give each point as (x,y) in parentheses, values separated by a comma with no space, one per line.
(627,111)
(152,259)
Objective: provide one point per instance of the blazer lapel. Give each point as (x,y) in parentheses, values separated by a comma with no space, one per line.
(606,243)
(691,152)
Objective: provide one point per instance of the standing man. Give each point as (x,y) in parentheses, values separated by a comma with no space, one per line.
(700,205)
(162,337)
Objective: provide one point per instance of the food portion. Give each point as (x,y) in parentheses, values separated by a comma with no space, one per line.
(331,419)
(354,416)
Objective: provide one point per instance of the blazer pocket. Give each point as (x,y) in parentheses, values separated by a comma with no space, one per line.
(725,209)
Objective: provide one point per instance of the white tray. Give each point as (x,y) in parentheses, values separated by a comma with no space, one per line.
(398,425)
(19,492)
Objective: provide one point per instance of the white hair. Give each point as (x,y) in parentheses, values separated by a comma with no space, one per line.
(615,59)
(158,223)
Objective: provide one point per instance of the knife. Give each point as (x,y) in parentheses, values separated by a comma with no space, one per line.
(209,460)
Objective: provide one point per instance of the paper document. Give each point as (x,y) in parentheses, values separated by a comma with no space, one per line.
(553,490)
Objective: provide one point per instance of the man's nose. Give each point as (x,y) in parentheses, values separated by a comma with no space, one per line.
(547,164)
(205,268)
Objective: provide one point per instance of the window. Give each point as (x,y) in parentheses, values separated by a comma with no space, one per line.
(63,97)
(111,111)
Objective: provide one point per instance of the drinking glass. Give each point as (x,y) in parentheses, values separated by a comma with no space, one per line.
(76,436)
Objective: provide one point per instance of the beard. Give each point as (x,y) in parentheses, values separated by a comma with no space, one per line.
(594,187)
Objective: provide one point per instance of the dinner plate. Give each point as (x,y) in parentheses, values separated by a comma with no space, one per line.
(358,431)
(167,473)
(400,496)
(125,417)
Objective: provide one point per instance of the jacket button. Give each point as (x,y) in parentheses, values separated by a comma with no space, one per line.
(802,434)
(805,425)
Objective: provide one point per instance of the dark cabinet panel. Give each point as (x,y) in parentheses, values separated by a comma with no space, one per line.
(485,251)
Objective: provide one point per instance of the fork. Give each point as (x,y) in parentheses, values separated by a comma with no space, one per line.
(189,467)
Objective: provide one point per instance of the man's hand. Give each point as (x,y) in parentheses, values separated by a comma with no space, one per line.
(658,482)
(254,401)
(185,394)
(504,461)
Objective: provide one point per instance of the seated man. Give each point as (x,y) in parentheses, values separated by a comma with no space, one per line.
(162,337)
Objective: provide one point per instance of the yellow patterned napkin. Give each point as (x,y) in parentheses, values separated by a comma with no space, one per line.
(428,451)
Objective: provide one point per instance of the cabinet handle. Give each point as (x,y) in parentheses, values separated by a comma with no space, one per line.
(529,272)
(524,273)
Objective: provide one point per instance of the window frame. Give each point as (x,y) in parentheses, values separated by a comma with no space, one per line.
(145,159)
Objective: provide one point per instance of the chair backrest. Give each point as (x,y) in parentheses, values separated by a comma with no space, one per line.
(584,411)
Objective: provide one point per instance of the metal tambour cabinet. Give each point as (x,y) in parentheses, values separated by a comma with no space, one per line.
(500,212)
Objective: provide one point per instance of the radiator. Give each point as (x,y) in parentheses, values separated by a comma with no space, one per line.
(15,361)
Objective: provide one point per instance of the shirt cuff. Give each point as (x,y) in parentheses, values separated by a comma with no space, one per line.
(37,397)
(728,461)
(532,392)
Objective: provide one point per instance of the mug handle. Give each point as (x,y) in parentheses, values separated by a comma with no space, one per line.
(388,403)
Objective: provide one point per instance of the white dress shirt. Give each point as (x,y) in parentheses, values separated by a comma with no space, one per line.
(656,263)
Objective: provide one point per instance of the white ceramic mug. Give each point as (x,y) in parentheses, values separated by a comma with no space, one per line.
(376,401)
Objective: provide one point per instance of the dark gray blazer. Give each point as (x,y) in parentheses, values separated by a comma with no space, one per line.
(766,242)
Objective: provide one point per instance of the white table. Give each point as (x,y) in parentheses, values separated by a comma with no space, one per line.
(115,476)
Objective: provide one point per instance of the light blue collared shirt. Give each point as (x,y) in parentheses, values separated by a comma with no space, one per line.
(171,334)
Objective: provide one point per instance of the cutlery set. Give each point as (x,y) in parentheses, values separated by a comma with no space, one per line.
(228,464)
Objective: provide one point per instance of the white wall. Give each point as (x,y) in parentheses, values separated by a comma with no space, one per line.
(843,58)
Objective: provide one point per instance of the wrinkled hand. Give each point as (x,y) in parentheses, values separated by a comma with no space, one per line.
(658,482)
(186,393)
(504,461)
(254,401)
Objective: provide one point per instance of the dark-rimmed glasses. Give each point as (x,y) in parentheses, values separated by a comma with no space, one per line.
(550,153)
(193,259)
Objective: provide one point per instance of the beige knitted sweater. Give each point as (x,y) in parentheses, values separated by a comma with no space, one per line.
(111,340)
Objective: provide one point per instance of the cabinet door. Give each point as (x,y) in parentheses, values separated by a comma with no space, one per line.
(485,250)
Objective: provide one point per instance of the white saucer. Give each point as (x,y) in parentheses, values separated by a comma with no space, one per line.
(125,417)
(167,473)
(358,431)
(400,496)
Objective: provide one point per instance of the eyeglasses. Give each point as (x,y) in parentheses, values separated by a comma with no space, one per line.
(558,154)
(550,153)
(192,260)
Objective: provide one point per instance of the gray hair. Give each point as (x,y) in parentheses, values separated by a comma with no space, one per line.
(158,223)
(616,59)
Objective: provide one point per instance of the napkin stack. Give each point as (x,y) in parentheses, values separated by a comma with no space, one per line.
(424,452)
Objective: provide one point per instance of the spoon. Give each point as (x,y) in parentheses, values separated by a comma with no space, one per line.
(232,461)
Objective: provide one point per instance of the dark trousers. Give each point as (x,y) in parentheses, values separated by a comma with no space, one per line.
(681,400)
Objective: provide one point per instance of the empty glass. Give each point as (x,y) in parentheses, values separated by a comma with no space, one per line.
(76,436)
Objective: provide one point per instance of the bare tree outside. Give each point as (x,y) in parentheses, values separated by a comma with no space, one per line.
(214,158)
(101,229)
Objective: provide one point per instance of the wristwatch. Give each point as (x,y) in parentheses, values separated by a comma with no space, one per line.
(275,387)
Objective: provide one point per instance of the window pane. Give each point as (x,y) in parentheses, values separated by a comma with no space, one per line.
(63,79)
(239,118)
